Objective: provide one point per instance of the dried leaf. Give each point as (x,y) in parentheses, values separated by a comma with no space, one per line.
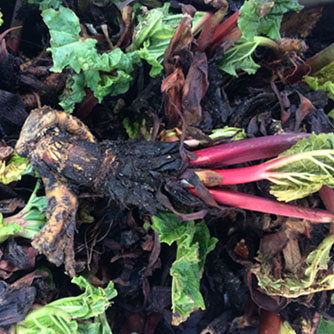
(194,89)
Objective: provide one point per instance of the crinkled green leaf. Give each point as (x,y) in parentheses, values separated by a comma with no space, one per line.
(7,230)
(169,227)
(153,33)
(13,169)
(264,17)
(256,17)
(93,302)
(45,4)
(193,244)
(239,57)
(66,315)
(73,93)
(66,46)
(113,85)
(325,326)
(314,277)
(205,242)
(323,79)
(1,20)
(154,56)
(308,165)
(71,51)
(28,222)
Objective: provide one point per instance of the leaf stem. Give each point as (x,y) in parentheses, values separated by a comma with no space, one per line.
(245,150)
(259,204)
(268,169)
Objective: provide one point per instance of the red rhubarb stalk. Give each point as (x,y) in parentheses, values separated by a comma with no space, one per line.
(259,204)
(225,27)
(327,196)
(245,150)
(205,38)
(232,37)
(262,171)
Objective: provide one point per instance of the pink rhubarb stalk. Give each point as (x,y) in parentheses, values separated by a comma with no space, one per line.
(259,172)
(245,150)
(259,204)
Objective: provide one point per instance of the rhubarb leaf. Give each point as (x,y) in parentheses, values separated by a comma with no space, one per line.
(312,277)
(193,245)
(71,314)
(70,51)
(74,91)
(239,57)
(323,79)
(28,222)
(325,326)
(7,230)
(153,33)
(256,17)
(1,20)
(264,17)
(304,168)
(13,169)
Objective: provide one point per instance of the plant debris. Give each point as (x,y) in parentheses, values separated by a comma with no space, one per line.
(148,149)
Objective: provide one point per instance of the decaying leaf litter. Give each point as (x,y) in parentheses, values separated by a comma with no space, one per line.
(255,269)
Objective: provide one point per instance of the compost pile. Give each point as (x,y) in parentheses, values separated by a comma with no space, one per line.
(180,156)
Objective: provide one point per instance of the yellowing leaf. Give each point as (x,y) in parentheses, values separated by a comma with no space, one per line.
(13,169)
(304,168)
(312,278)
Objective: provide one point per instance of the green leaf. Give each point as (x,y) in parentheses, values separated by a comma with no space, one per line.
(67,48)
(13,169)
(239,56)
(256,17)
(132,129)
(74,92)
(65,315)
(304,168)
(113,85)
(1,20)
(193,244)
(263,17)
(325,326)
(28,222)
(323,79)
(7,230)
(169,227)
(153,33)
(314,277)
(70,51)
(45,4)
